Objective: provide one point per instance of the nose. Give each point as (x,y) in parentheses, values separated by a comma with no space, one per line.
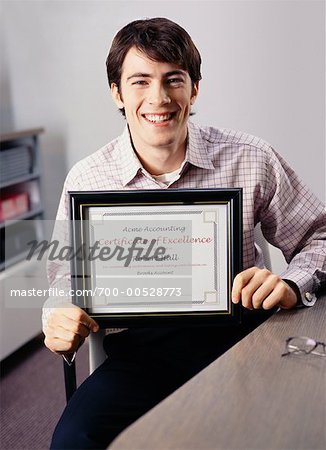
(158,95)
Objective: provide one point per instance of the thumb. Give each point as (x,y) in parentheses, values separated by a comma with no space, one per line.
(95,327)
(90,323)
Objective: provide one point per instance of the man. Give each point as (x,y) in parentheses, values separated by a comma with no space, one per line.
(154,73)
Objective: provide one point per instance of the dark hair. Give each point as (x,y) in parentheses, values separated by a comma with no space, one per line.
(159,39)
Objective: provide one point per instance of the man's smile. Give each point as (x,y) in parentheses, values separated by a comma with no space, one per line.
(159,118)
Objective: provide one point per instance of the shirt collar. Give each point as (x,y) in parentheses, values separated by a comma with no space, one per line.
(197,148)
(196,153)
(130,164)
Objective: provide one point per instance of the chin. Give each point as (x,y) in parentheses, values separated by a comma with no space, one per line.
(162,142)
(163,138)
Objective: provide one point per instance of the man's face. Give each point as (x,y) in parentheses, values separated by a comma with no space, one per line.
(157,98)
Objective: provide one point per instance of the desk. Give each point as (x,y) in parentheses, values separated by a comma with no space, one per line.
(249,398)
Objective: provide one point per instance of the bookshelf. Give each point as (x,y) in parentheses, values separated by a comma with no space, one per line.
(21,220)
(21,204)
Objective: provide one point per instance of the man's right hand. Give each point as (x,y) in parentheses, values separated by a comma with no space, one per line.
(67,327)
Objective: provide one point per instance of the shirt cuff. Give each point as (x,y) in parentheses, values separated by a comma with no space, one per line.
(304,291)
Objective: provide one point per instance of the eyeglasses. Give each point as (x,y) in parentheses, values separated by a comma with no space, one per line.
(304,345)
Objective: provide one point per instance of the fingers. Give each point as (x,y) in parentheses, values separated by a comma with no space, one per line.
(274,297)
(64,323)
(67,328)
(63,344)
(78,315)
(240,281)
(260,288)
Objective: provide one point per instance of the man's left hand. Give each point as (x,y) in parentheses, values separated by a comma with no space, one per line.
(259,288)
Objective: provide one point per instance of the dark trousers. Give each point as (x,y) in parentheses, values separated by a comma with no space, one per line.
(143,367)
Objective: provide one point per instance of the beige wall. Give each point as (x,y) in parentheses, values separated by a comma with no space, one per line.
(263,72)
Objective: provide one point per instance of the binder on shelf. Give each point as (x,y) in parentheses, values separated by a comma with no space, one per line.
(13,205)
(15,162)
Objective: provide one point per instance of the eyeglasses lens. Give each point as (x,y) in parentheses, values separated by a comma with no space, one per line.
(301,344)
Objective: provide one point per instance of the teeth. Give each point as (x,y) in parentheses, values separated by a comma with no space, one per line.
(156,119)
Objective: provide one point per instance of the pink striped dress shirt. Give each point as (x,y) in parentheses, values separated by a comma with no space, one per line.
(291,217)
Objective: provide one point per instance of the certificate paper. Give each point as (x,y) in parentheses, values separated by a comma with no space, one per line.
(156,258)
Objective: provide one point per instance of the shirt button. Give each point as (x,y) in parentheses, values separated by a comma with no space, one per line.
(309,296)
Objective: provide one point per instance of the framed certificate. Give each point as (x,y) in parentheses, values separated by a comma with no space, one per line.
(156,256)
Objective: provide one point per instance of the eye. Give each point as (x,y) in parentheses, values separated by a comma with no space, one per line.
(174,81)
(139,83)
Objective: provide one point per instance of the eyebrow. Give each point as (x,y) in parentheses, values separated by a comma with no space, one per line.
(148,75)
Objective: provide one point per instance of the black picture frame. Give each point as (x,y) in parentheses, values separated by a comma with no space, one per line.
(81,203)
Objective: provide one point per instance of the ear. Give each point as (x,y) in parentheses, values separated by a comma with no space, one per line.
(116,96)
(195,91)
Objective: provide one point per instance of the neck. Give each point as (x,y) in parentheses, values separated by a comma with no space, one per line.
(160,160)
(164,162)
